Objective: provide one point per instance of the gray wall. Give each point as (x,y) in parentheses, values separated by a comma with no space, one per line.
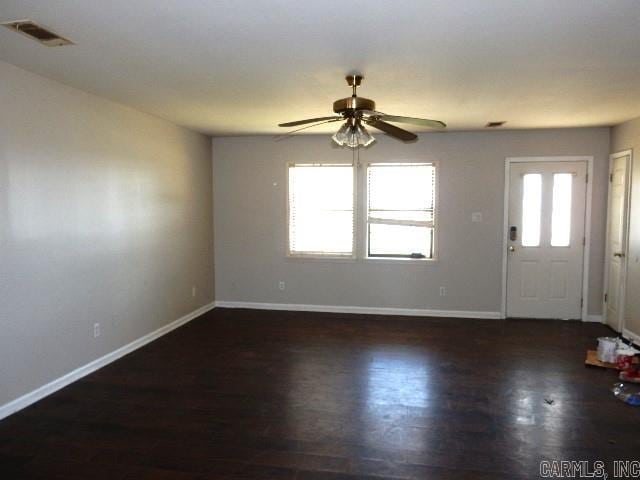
(623,137)
(250,220)
(105,216)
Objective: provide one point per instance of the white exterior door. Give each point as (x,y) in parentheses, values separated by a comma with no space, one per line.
(617,239)
(546,222)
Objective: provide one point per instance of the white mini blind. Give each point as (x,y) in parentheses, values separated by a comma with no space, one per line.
(321,206)
(401,207)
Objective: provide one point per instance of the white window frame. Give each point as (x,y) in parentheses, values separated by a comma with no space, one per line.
(354,203)
(365,215)
(361,211)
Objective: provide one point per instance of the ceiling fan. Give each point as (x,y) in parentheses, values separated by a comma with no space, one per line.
(356,112)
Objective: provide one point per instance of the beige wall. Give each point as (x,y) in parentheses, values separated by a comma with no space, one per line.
(249,192)
(624,137)
(105,216)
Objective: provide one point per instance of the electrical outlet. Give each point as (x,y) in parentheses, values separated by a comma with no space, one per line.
(194,291)
(443,291)
(96,330)
(281,285)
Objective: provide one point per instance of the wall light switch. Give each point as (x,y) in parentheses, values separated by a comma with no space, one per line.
(476,217)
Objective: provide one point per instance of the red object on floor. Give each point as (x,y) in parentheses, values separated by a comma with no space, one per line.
(630,376)
(624,362)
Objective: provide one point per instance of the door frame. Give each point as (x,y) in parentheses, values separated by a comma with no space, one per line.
(623,289)
(587,224)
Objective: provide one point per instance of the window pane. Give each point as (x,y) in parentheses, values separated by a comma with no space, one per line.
(321,209)
(561,212)
(400,240)
(401,193)
(401,187)
(531,205)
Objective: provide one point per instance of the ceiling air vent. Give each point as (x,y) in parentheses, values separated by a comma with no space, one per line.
(38,33)
(495,124)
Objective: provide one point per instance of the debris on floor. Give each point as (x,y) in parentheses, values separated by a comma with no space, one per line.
(613,353)
(625,357)
(592,360)
(632,376)
(607,347)
(629,369)
(621,393)
(549,401)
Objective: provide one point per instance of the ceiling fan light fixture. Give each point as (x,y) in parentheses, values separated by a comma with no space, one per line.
(364,137)
(353,134)
(352,137)
(340,137)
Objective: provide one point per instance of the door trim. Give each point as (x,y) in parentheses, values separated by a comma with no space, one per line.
(587,225)
(621,301)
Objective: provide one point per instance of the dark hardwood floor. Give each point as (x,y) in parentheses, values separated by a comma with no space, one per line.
(243,394)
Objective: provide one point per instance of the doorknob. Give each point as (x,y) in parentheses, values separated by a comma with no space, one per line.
(619,254)
(512,248)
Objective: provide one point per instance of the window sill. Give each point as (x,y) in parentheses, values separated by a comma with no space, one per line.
(401,261)
(370,260)
(319,258)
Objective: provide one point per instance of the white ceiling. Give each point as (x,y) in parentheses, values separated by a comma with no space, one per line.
(242,66)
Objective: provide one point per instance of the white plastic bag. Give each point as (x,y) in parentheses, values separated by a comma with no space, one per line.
(607,347)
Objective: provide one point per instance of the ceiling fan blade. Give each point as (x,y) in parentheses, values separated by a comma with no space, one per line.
(308,120)
(288,134)
(392,130)
(424,122)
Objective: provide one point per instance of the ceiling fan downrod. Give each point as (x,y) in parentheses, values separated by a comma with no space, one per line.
(354,81)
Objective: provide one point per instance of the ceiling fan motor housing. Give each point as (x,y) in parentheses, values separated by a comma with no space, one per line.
(352,104)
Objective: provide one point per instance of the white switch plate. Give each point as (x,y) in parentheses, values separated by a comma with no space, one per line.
(281,285)
(476,217)
(96,330)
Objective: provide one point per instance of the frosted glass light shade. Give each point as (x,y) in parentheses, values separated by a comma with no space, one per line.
(352,135)
(364,137)
(340,137)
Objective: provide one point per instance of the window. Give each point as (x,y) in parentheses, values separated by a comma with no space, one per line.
(321,205)
(561,210)
(531,205)
(400,210)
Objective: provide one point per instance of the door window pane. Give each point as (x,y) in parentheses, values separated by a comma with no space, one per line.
(561,212)
(531,206)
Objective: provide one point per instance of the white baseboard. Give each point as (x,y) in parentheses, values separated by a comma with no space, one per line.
(414,312)
(594,318)
(55,385)
(632,337)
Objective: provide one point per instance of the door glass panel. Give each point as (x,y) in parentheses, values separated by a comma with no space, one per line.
(531,206)
(561,210)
